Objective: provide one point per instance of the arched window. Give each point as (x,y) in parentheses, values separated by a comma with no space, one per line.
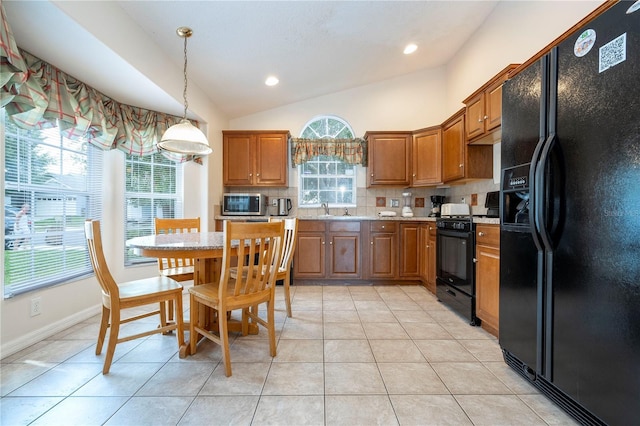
(327,179)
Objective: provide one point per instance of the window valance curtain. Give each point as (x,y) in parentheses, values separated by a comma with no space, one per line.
(36,94)
(351,151)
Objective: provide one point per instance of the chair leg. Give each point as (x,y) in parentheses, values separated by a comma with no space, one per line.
(163,314)
(113,340)
(194,316)
(224,342)
(104,324)
(170,310)
(271,327)
(287,293)
(179,320)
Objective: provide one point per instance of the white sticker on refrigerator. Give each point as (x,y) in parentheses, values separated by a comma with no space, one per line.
(613,53)
(584,43)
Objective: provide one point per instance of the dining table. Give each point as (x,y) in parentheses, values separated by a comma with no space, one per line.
(205,248)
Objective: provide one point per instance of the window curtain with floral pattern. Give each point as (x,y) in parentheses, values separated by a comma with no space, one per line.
(351,151)
(35,94)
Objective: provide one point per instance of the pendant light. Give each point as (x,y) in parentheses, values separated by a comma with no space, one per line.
(184,137)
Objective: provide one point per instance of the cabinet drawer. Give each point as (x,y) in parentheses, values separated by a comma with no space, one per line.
(341,226)
(376,226)
(311,226)
(488,235)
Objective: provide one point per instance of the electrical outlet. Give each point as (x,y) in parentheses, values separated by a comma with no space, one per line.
(274,202)
(36,306)
(463,200)
(395,203)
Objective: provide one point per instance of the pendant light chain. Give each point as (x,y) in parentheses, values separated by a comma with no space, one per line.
(184,94)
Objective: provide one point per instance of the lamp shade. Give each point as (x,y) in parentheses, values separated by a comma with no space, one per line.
(185,138)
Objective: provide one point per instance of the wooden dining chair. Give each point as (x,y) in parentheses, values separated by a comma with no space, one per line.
(180,269)
(260,252)
(117,297)
(284,271)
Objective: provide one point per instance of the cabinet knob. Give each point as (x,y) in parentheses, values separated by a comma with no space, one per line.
(461,165)
(428,246)
(475,260)
(481,234)
(382,226)
(330,243)
(323,243)
(250,174)
(371,174)
(479,120)
(430,228)
(371,242)
(486,116)
(258,174)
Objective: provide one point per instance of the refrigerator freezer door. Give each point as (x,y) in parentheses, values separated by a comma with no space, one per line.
(595,346)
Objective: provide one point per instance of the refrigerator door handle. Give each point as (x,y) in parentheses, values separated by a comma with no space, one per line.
(533,203)
(540,202)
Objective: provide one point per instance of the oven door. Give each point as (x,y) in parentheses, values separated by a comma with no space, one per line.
(454,259)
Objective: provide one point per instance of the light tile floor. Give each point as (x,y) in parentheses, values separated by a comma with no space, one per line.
(351,355)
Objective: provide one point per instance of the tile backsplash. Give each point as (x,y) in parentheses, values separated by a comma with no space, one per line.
(369,200)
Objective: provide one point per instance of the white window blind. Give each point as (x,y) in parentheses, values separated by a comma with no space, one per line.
(60,180)
(151,191)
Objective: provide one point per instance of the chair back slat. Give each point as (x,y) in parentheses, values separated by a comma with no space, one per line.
(259,253)
(98,261)
(290,237)
(176,226)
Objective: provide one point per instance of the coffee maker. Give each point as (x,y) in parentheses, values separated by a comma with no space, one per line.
(436,202)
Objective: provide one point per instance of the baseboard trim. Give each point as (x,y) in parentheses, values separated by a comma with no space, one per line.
(16,345)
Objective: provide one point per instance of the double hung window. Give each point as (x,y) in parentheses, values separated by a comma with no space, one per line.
(51,185)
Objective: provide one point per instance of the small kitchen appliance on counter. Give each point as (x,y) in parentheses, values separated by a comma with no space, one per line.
(454,210)
(492,203)
(436,202)
(284,206)
(406,209)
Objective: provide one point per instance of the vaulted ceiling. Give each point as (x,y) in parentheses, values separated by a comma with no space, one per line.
(313,47)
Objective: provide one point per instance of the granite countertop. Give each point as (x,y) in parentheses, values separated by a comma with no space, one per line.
(484,220)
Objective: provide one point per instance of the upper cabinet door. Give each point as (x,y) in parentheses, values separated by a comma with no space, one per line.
(271,160)
(237,160)
(389,158)
(453,148)
(427,157)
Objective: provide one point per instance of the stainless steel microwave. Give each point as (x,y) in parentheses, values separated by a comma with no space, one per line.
(244,205)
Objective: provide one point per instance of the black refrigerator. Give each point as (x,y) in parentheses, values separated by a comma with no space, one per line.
(570,221)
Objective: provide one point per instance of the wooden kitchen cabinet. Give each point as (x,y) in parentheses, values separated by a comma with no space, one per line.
(484,110)
(488,276)
(389,158)
(461,162)
(409,250)
(254,158)
(426,157)
(428,255)
(309,261)
(344,250)
(383,240)
(328,250)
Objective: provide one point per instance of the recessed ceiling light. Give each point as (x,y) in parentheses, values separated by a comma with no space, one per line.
(410,49)
(271,81)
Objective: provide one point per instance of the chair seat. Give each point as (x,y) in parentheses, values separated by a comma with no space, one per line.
(152,286)
(210,293)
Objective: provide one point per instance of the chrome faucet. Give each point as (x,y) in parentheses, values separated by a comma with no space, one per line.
(325,206)
(346,212)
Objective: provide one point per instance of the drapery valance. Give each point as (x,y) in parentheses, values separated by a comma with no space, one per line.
(351,151)
(38,95)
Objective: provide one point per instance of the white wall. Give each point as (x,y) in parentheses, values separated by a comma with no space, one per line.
(511,34)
